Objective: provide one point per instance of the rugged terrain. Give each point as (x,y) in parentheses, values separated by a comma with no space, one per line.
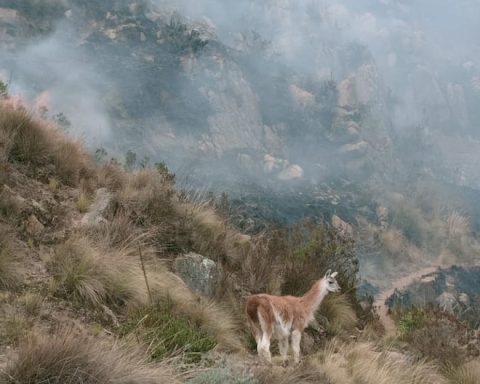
(99,283)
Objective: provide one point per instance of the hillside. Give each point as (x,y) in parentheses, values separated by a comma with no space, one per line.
(283,106)
(88,294)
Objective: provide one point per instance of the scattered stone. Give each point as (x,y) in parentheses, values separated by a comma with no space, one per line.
(198,272)
(343,227)
(291,172)
(34,227)
(99,207)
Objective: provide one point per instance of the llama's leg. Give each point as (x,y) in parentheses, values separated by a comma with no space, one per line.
(264,350)
(263,347)
(283,347)
(296,338)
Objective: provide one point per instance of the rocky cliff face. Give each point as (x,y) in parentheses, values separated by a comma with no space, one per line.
(453,289)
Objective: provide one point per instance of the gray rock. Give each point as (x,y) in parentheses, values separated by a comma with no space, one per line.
(97,210)
(34,227)
(198,272)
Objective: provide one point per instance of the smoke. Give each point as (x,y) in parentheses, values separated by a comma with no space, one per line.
(52,76)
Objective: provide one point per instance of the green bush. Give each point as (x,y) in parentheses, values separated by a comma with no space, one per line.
(168,333)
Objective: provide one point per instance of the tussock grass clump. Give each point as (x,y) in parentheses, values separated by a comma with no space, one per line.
(366,363)
(112,176)
(168,333)
(467,373)
(340,314)
(72,162)
(147,197)
(83,272)
(34,142)
(83,202)
(29,141)
(210,316)
(69,359)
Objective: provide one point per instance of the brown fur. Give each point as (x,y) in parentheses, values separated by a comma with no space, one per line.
(285,315)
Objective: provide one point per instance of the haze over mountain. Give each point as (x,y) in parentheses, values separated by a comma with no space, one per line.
(305,107)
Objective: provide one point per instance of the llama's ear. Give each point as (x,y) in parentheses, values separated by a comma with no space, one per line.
(328,273)
(334,274)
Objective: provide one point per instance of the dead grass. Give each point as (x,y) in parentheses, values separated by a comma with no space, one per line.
(72,162)
(14,327)
(70,359)
(36,143)
(212,317)
(9,274)
(366,363)
(83,202)
(29,141)
(9,206)
(457,224)
(32,303)
(112,176)
(340,314)
(304,373)
(393,241)
(467,373)
(85,274)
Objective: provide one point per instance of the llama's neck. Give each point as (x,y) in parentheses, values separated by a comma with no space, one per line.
(314,297)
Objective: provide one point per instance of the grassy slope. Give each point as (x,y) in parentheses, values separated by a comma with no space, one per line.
(75,307)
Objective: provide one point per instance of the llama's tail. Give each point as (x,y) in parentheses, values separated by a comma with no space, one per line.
(258,313)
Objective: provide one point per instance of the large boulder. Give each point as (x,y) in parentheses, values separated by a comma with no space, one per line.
(198,272)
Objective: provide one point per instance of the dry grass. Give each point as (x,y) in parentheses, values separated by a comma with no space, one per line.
(112,176)
(119,231)
(9,206)
(304,373)
(52,184)
(69,359)
(72,162)
(467,373)
(14,328)
(29,141)
(113,277)
(366,363)
(393,241)
(340,314)
(457,224)
(32,303)
(9,274)
(83,202)
(215,319)
(88,275)
(36,143)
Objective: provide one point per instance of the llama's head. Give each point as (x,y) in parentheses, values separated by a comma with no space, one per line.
(330,282)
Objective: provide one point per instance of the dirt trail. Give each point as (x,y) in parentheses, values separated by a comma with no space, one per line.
(382,308)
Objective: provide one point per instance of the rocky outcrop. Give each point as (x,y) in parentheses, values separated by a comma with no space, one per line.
(198,272)
(454,289)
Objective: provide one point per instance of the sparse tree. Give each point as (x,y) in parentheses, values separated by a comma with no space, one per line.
(100,154)
(62,121)
(130,159)
(3,90)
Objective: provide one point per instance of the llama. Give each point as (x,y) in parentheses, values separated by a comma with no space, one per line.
(286,316)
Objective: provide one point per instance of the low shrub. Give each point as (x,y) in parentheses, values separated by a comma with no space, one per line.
(167,332)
